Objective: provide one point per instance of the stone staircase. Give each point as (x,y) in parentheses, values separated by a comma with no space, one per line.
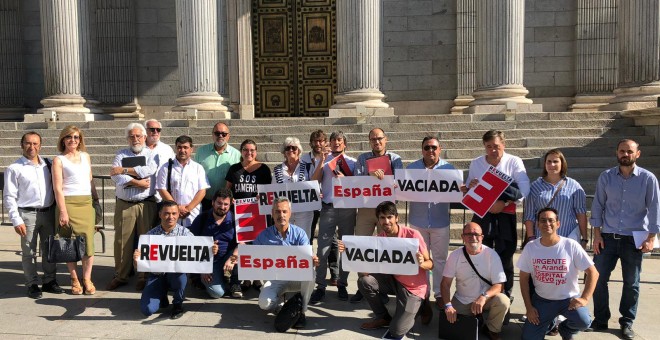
(587,139)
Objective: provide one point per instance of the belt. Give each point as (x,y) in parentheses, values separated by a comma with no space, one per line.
(35,209)
(615,235)
(151,198)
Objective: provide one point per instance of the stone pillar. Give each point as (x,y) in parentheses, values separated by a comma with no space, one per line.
(465,53)
(197,44)
(239,50)
(66,31)
(117,86)
(358,60)
(639,47)
(595,73)
(11,76)
(500,51)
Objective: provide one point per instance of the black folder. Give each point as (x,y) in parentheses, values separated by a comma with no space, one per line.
(131,162)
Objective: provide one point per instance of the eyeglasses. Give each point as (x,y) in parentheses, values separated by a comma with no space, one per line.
(291,148)
(220,133)
(547,220)
(472,235)
(430,147)
(249,150)
(376,139)
(134,136)
(155,130)
(75,137)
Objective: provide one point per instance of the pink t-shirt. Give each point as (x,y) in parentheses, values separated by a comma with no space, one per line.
(416,284)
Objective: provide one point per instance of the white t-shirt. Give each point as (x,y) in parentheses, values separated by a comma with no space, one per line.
(555,269)
(468,285)
(185,183)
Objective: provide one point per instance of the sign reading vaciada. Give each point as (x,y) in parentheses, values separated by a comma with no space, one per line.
(429,185)
(375,254)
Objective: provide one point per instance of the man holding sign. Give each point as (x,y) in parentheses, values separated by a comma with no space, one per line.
(410,290)
(499,223)
(154,295)
(282,233)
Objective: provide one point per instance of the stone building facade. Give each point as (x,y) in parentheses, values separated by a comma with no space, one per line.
(99,59)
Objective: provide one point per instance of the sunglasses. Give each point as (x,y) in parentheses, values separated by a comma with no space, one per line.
(220,133)
(430,147)
(155,130)
(72,137)
(291,148)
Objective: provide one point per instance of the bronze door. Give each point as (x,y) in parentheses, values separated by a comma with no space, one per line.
(294,52)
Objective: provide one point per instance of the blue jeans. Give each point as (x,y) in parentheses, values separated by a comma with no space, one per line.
(621,247)
(576,320)
(156,289)
(217,288)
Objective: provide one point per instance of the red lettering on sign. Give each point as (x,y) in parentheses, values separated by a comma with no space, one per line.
(153,252)
(485,194)
(249,223)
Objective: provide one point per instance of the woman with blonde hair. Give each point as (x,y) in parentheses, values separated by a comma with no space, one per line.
(74,191)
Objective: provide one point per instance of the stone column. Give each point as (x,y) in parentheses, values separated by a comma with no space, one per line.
(11,50)
(465,53)
(116,57)
(358,60)
(239,50)
(639,47)
(197,44)
(66,32)
(500,51)
(595,73)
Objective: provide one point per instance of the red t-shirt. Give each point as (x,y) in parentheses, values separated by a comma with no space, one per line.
(416,284)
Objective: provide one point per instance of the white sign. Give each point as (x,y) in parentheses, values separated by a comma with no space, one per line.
(429,185)
(641,236)
(375,254)
(175,254)
(362,191)
(304,196)
(290,263)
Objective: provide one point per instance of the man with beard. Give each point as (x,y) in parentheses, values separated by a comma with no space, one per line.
(626,201)
(216,158)
(218,222)
(136,205)
(473,295)
(160,153)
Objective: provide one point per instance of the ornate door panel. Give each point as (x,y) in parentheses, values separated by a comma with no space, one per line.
(294,57)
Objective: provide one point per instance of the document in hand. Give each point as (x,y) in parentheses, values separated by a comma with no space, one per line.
(380,163)
(131,162)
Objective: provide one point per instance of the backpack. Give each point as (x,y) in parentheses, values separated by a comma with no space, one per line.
(289,314)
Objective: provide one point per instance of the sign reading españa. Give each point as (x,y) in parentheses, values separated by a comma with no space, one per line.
(362,191)
(291,263)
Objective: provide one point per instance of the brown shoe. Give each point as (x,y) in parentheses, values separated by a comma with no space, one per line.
(375,324)
(114,284)
(139,286)
(76,288)
(89,288)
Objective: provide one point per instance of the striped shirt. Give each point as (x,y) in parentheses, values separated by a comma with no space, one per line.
(569,202)
(123,189)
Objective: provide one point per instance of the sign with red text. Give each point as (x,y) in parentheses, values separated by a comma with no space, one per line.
(429,185)
(362,191)
(304,196)
(175,254)
(289,263)
(249,222)
(376,254)
(491,185)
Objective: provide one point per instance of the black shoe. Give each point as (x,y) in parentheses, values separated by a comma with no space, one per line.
(317,296)
(164,302)
(342,293)
(197,283)
(52,287)
(596,327)
(627,332)
(301,323)
(177,311)
(34,292)
(384,298)
(357,298)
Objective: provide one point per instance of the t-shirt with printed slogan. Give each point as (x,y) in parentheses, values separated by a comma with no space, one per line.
(243,183)
(555,269)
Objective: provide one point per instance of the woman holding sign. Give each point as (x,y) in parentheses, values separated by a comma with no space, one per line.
(293,170)
(556,190)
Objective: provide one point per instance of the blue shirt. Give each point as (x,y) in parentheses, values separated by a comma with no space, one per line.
(622,205)
(224,233)
(569,202)
(426,214)
(361,166)
(295,236)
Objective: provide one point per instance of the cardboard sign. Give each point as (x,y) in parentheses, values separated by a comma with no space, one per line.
(175,254)
(289,263)
(491,185)
(386,255)
(429,185)
(361,191)
(249,222)
(304,196)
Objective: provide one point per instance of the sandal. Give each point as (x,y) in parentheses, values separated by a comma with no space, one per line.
(76,289)
(89,288)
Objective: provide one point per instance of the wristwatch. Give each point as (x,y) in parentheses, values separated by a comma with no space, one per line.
(125,171)
(485,294)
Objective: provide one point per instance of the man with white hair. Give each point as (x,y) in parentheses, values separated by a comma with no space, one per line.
(160,153)
(132,171)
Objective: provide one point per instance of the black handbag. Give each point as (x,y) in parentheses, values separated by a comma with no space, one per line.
(289,314)
(465,327)
(64,249)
